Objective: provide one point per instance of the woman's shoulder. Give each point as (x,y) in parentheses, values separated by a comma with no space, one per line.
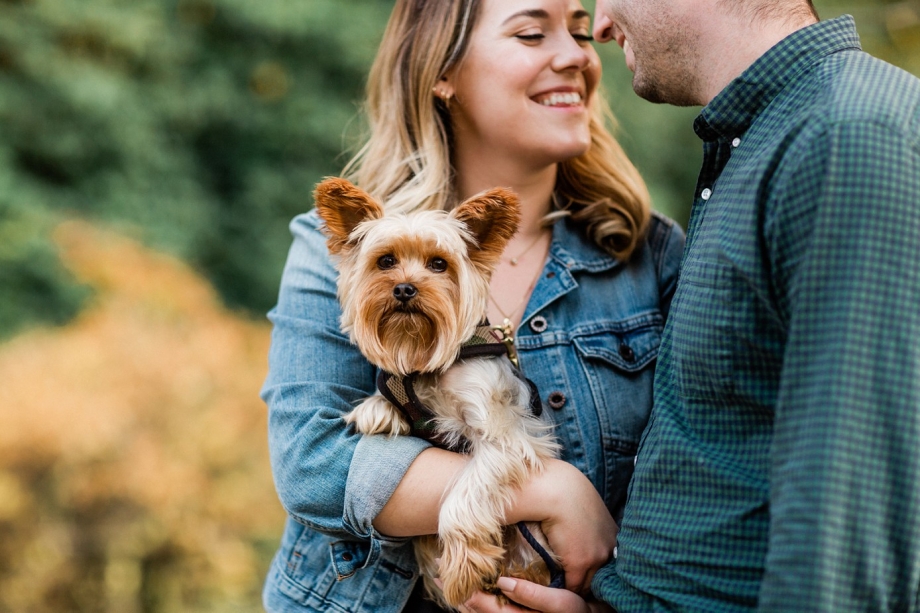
(308,224)
(664,240)
(663,230)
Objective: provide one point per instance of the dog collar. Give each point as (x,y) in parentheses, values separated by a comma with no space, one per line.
(400,390)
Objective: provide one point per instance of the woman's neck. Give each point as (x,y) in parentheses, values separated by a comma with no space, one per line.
(534,190)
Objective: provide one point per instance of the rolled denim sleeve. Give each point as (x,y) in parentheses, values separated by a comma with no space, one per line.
(327,477)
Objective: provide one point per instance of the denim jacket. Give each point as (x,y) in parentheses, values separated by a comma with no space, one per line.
(588,339)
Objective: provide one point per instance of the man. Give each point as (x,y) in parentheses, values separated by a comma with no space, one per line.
(781,467)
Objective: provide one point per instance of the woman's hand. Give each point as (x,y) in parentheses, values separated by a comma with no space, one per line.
(533,596)
(574,518)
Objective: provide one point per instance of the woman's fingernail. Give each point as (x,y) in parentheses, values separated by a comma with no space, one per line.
(506,584)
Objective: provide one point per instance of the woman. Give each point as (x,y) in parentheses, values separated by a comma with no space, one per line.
(466,95)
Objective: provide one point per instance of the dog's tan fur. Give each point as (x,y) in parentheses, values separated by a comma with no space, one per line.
(480,400)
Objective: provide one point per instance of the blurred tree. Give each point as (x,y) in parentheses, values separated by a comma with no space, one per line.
(201,126)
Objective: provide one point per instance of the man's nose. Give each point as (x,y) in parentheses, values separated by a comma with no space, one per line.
(603,28)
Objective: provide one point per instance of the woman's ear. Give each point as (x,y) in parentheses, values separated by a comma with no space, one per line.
(444,89)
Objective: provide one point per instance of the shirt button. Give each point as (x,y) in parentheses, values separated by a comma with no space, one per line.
(706,194)
(538,324)
(556,400)
(736,143)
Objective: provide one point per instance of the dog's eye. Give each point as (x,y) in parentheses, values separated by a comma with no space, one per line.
(438,264)
(386,261)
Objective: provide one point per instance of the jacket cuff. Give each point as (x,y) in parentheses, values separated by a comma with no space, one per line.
(378,465)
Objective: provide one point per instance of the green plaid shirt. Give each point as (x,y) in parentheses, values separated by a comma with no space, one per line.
(780,470)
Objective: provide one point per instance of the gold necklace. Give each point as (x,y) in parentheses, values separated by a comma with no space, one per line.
(514,261)
(506,329)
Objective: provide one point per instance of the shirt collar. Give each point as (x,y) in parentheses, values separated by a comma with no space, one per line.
(731,112)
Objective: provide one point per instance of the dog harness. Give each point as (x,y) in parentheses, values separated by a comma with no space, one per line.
(400,390)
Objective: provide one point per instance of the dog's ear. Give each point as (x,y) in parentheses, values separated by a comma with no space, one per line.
(492,217)
(342,206)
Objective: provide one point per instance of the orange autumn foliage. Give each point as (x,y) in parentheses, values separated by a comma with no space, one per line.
(134,469)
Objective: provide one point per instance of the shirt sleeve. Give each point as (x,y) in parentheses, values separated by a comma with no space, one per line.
(327,477)
(845,473)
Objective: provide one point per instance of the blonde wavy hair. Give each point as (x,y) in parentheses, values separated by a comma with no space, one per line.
(406,161)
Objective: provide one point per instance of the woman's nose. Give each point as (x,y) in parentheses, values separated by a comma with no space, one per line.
(571,56)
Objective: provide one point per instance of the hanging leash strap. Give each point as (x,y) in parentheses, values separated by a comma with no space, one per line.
(557,575)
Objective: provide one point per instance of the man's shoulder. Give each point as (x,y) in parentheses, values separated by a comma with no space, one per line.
(855,87)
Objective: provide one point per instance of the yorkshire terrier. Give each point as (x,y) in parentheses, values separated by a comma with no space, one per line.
(413,290)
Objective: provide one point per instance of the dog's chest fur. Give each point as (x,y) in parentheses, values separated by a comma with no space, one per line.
(475,398)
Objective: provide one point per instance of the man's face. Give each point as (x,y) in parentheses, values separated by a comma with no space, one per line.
(661,40)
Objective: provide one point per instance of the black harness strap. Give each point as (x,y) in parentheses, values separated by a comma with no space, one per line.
(400,390)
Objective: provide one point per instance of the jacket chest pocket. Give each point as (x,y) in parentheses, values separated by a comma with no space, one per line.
(619,366)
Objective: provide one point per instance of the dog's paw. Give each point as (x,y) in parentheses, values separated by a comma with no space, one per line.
(377,416)
(468,565)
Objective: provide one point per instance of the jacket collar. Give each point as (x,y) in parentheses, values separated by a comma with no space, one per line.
(575,252)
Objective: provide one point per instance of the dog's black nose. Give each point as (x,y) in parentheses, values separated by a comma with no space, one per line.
(404,292)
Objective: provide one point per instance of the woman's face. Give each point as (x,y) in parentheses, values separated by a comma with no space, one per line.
(525,84)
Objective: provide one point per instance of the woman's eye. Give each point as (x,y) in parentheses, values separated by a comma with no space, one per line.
(530,37)
(437,264)
(386,262)
(583,38)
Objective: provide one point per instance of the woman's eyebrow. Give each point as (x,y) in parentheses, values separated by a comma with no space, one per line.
(541,14)
(534,13)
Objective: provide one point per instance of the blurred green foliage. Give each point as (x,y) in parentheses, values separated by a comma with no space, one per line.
(201,126)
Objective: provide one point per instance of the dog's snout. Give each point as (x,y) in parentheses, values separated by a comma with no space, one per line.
(404,292)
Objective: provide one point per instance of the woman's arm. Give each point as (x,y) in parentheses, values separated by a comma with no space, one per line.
(326,476)
(573,516)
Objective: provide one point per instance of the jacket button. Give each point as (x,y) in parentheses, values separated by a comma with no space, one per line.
(627,353)
(556,400)
(347,557)
(538,324)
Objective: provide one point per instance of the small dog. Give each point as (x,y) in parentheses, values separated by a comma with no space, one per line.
(414,290)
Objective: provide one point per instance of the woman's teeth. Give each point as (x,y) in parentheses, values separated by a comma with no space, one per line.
(561,99)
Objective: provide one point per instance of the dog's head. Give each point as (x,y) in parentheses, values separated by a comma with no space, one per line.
(413,287)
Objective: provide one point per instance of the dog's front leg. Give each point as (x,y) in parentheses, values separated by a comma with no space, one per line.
(377,415)
(470,528)
(472,517)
